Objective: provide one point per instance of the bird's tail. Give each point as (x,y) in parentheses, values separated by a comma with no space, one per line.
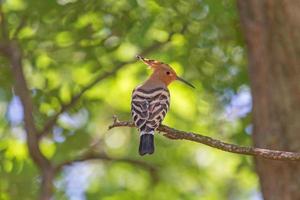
(146,143)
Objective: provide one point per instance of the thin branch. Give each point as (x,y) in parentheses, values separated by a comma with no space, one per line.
(174,134)
(64,107)
(102,156)
(88,156)
(19,28)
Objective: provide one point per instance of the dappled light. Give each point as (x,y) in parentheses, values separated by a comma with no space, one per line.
(68,66)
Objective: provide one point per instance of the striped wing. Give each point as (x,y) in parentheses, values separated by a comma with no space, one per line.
(149,108)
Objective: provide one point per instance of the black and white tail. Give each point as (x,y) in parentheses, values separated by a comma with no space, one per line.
(146,143)
(148,109)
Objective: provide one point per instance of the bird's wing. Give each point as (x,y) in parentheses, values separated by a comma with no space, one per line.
(139,108)
(149,108)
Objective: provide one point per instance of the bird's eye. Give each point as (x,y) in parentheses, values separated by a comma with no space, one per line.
(168,73)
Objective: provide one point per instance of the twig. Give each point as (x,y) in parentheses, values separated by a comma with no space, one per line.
(64,107)
(174,134)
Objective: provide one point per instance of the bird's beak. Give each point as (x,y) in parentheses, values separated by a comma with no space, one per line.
(184,81)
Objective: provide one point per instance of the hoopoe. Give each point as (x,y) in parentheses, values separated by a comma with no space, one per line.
(150,102)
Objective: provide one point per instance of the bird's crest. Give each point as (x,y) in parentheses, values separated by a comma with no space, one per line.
(162,71)
(153,63)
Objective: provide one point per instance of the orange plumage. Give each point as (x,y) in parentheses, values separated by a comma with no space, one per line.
(150,102)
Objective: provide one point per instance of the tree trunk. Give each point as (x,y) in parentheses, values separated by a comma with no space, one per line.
(47,184)
(272,33)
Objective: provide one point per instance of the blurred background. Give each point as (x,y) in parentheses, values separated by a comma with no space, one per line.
(70,46)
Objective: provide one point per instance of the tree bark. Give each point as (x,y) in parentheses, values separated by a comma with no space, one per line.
(272,33)
(46,192)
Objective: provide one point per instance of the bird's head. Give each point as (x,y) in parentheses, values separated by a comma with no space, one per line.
(163,71)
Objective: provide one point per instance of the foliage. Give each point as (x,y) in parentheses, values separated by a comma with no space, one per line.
(67,43)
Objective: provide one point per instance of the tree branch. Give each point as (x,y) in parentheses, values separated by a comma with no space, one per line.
(19,27)
(13,53)
(102,156)
(174,134)
(21,88)
(64,107)
(88,156)
(11,50)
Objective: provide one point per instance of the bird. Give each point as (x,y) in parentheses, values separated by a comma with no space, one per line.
(150,102)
